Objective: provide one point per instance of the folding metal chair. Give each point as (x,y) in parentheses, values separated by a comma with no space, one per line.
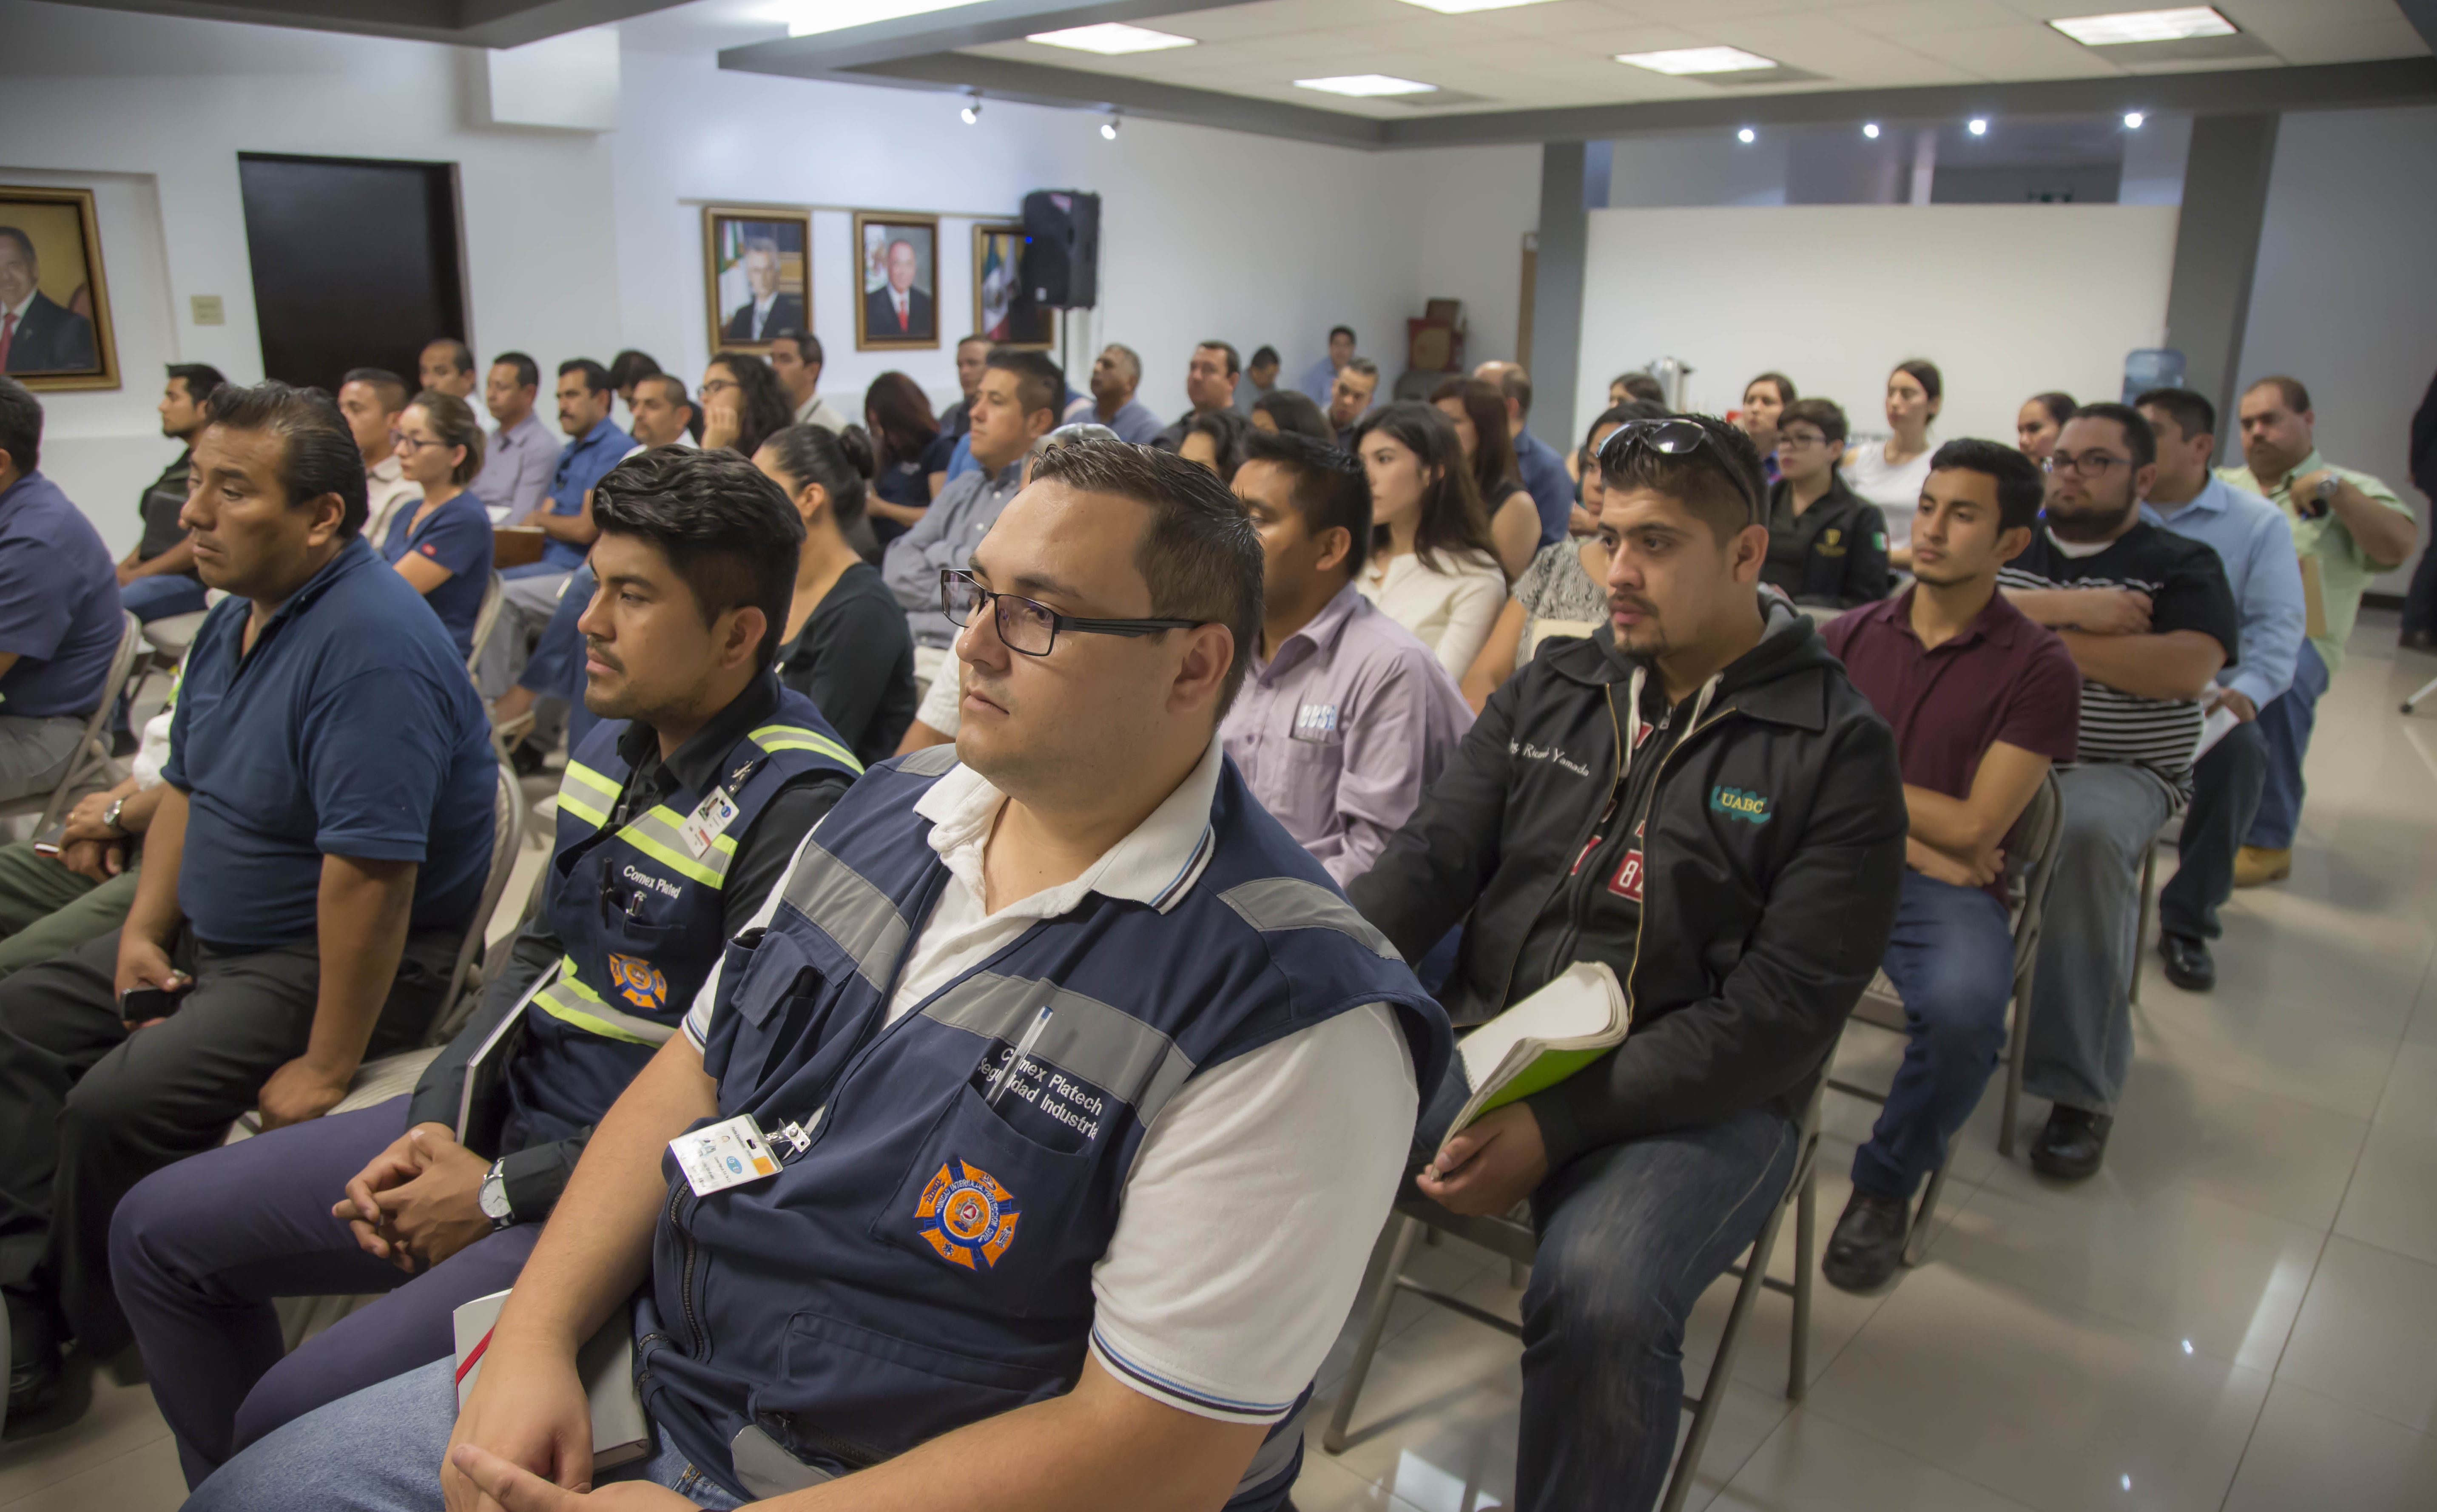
(486,620)
(2425,689)
(91,764)
(1516,1243)
(2030,863)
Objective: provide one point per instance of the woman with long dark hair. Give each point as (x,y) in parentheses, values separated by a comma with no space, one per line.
(744,404)
(905,439)
(1434,568)
(1477,411)
(844,645)
(442,542)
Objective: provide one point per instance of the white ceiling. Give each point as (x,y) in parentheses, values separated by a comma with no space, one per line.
(1562,52)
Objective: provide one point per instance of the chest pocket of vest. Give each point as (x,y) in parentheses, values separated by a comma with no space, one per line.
(782,1006)
(1011,1223)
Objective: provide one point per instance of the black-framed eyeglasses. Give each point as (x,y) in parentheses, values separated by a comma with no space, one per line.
(1029,626)
(2088,465)
(1673,437)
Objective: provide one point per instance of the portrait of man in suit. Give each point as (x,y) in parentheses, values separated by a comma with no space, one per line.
(757,275)
(38,334)
(899,270)
(772,309)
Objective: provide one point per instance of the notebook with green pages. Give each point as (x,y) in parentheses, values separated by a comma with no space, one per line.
(1575,1019)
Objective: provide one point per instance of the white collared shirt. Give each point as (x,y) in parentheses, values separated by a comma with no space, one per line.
(1252,1205)
(21,306)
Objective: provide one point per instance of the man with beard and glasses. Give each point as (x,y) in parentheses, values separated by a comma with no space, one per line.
(2150,621)
(1981,700)
(1697,797)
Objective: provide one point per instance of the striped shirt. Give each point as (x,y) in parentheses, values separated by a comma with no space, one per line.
(2187,591)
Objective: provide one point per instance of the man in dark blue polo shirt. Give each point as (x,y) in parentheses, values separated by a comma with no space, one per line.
(1982,701)
(309,876)
(584,395)
(60,619)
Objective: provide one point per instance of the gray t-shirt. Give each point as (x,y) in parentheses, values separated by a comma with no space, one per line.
(1556,588)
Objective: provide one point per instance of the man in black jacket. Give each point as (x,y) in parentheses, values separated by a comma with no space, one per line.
(1696,796)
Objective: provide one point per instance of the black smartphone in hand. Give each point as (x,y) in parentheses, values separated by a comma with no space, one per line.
(140,1005)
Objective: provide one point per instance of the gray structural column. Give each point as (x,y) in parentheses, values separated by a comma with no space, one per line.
(1557,294)
(2217,250)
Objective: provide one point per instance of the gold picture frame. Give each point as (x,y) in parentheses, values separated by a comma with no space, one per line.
(736,240)
(50,261)
(878,326)
(998,249)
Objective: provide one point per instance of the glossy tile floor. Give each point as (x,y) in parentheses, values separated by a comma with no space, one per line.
(2239,1312)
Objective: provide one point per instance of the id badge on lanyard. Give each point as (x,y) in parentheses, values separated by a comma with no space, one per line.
(707,822)
(733,1153)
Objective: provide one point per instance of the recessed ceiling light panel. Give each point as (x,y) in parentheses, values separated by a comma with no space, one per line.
(1365,86)
(2122,26)
(1110,38)
(1458,8)
(1680,60)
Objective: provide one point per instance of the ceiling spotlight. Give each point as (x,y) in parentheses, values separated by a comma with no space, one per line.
(1109,126)
(972,111)
(2132,120)
(1870,130)
(1746,136)
(1980,126)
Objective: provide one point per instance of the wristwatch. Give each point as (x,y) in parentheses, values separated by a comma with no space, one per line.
(2329,481)
(110,814)
(493,1196)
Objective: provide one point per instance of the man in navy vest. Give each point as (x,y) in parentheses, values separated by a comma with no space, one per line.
(1087,1094)
(653,872)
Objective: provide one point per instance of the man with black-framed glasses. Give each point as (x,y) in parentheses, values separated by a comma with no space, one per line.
(1083,1095)
(2150,620)
(1696,796)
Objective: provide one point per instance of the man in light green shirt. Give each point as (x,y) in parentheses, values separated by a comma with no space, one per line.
(2351,527)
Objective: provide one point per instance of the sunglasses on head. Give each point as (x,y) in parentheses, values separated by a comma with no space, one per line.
(1673,437)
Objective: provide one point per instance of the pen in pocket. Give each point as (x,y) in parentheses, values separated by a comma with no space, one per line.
(1015,1058)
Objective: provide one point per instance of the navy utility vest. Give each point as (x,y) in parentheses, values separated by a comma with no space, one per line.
(925,1260)
(640,915)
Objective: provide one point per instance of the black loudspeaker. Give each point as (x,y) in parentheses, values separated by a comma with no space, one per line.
(1061,249)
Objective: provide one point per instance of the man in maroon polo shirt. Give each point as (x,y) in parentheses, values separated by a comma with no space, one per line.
(1982,700)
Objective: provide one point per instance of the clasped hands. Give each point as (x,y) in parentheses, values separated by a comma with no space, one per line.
(419,1200)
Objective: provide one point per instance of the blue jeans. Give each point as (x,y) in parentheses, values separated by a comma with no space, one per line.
(2285,724)
(1631,1234)
(380,1450)
(1952,960)
(161,596)
(199,1251)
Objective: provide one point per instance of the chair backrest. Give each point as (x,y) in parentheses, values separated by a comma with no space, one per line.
(91,758)
(2030,865)
(486,619)
(507,835)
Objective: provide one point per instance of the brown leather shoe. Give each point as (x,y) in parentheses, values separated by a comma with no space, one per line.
(2256,864)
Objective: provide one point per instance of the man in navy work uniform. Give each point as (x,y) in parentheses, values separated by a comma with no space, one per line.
(308,879)
(1696,797)
(1088,1094)
(59,618)
(696,556)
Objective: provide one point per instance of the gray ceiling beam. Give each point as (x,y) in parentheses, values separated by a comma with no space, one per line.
(824,54)
(2422,16)
(2216,92)
(463,23)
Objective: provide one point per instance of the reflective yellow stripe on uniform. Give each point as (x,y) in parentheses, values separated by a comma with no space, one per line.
(569,1001)
(795,738)
(658,834)
(586,795)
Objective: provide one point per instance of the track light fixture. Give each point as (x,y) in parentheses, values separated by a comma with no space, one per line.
(1109,126)
(972,111)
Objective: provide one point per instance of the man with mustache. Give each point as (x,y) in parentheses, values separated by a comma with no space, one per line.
(1696,797)
(695,559)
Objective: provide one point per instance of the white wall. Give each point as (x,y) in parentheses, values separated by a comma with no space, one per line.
(1203,234)
(2008,300)
(2341,298)
(163,107)
(581,243)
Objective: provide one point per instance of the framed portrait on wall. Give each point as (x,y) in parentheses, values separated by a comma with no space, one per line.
(757,270)
(999,313)
(54,302)
(898,259)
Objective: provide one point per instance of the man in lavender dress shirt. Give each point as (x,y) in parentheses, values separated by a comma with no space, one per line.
(1345,718)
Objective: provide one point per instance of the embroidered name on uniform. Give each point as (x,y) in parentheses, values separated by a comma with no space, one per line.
(964,1213)
(1737,804)
(638,982)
